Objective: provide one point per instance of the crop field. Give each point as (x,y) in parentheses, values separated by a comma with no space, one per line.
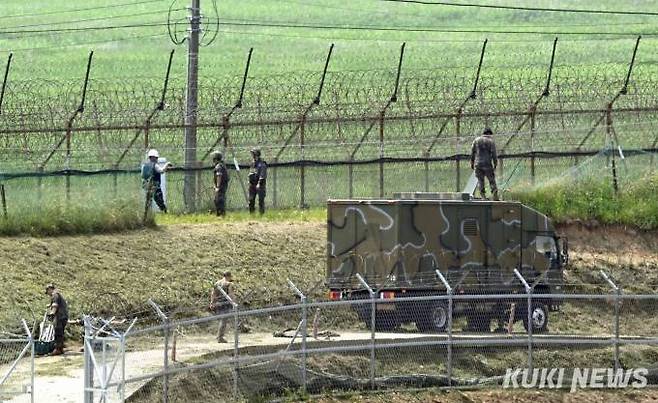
(338,145)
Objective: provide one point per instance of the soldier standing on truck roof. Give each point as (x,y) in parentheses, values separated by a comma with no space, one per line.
(152,178)
(58,313)
(218,303)
(484,161)
(257,179)
(220,182)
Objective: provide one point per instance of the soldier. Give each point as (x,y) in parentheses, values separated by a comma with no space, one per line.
(152,177)
(484,161)
(257,178)
(220,182)
(219,304)
(58,313)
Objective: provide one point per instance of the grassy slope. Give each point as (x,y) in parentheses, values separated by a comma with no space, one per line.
(176,264)
(143,51)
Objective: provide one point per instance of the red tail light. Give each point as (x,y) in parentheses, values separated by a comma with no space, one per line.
(335,295)
(387,295)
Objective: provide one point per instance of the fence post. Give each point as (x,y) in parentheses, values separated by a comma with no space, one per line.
(372,328)
(458,121)
(449,291)
(4,200)
(533,110)
(302,297)
(165,377)
(236,340)
(30,338)
(381,154)
(274,182)
(608,131)
(302,169)
(528,291)
(617,292)
(88,364)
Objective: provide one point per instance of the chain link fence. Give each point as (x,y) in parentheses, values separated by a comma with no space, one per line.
(377,340)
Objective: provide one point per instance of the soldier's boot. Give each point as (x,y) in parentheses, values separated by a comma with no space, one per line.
(495,195)
(57,351)
(483,196)
(221,339)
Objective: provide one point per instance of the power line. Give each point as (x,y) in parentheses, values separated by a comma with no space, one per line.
(100,28)
(359,10)
(361,39)
(75,10)
(521,8)
(268,24)
(89,19)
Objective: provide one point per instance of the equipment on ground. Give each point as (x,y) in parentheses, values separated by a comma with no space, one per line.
(398,244)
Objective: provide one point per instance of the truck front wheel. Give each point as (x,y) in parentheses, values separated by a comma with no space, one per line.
(539,316)
(434,318)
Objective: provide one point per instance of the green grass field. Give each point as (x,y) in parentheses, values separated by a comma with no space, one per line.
(142,51)
(129,64)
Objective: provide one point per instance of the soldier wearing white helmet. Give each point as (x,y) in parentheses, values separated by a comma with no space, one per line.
(152,177)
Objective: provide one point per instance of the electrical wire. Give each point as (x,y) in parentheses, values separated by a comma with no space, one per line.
(283,24)
(83,29)
(88,19)
(173,35)
(522,8)
(483,26)
(80,9)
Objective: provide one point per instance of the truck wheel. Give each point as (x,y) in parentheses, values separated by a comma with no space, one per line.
(539,318)
(434,318)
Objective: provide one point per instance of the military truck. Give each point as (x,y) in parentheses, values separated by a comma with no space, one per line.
(397,245)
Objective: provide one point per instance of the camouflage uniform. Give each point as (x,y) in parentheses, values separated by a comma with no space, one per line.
(152,177)
(221,179)
(484,160)
(257,181)
(219,305)
(60,317)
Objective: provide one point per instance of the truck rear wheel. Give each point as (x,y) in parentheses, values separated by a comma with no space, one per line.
(539,316)
(434,318)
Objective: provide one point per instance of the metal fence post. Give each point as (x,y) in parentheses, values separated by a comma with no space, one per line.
(350,175)
(381,154)
(528,291)
(30,340)
(617,292)
(274,183)
(458,123)
(165,380)
(449,291)
(533,110)
(302,297)
(302,168)
(88,364)
(372,328)
(236,341)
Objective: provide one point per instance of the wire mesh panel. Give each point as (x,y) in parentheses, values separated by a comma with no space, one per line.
(16,368)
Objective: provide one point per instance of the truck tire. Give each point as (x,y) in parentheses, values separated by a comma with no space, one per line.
(539,318)
(434,318)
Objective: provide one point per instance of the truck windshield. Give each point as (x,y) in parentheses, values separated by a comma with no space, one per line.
(545,244)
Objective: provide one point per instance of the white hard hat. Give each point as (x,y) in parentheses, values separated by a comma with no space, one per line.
(153,153)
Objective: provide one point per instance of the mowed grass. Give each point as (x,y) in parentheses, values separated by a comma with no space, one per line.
(138,52)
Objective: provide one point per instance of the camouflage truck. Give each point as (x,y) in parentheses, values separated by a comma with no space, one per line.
(398,244)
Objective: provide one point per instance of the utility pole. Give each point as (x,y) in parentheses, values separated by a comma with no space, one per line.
(189,181)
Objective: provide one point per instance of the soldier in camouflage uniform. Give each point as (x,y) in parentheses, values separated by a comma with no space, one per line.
(58,313)
(484,161)
(220,182)
(218,303)
(257,179)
